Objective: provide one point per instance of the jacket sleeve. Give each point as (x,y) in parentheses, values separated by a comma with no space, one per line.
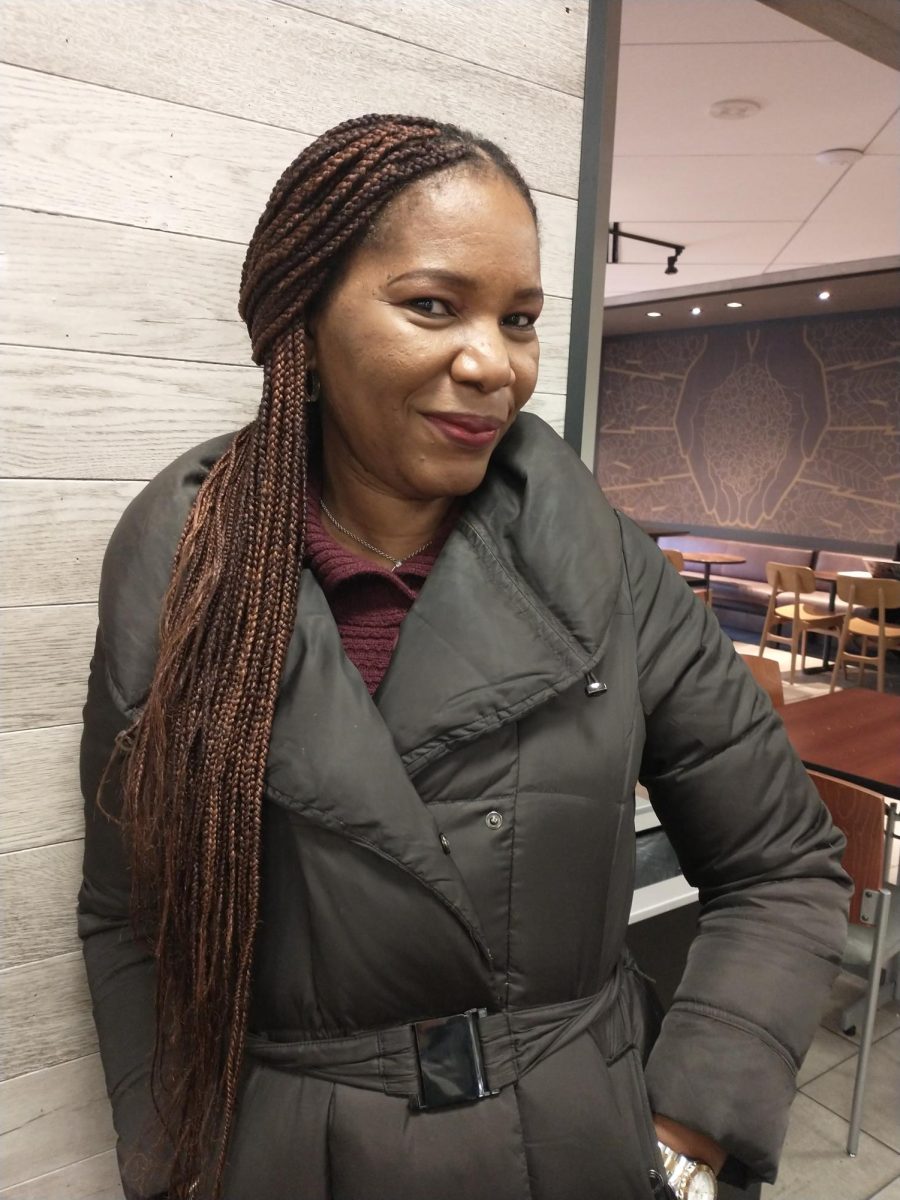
(753,836)
(120,969)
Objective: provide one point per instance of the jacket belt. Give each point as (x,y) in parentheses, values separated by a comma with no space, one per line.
(511,1043)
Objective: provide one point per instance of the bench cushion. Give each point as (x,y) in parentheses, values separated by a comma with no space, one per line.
(757,555)
(830,560)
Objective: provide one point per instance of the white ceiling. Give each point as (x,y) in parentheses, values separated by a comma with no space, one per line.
(747,197)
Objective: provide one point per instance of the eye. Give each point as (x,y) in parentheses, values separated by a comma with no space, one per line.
(520,320)
(432,306)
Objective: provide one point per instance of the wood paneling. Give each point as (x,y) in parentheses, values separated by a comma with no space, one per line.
(95,1178)
(53,1117)
(281,66)
(38,890)
(40,801)
(76,149)
(184,308)
(553,329)
(550,408)
(88,151)
(501,35)
(47,655)
(56,534)
(124,418)
(556,221)
(127,418)
(46,1015)
(88,285)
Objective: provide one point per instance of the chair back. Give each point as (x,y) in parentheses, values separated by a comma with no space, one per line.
(767,674)
(859,814)
(676,558)
(783,577)
(867,592)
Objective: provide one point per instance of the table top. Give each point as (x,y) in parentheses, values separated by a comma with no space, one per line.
(853,734)
(654,531)
(702,556)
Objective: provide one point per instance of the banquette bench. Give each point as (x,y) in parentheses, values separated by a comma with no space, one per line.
(743,586)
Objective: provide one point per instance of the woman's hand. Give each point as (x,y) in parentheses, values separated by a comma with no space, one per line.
(690,1142)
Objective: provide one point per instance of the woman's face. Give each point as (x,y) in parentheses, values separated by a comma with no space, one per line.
(427,349)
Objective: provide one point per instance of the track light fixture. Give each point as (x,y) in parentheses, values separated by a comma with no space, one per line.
(616,233)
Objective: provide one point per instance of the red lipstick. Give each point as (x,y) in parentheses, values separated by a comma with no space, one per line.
(466,429)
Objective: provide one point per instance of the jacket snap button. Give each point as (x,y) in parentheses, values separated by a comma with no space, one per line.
(493,820)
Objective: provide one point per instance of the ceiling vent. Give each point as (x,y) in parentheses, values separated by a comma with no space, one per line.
(734,110)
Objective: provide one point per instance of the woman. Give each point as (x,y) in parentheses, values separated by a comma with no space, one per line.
(382,670)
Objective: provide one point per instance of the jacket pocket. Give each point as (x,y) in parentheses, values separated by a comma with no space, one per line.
(627,1076)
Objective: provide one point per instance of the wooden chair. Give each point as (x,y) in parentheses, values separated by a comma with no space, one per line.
(874,924)
(863,592)
(801,581)
(767,674)
(676,558)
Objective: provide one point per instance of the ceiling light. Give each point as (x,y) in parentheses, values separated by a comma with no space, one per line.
(734,110)
(654,314)
(695,312)
(734,304)
(824,295)
(844,156)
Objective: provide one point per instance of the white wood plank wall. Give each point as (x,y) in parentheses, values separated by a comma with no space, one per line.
(140,142)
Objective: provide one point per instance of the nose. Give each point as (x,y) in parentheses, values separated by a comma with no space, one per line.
(484,363)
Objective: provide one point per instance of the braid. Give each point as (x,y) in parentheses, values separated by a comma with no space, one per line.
(195,759)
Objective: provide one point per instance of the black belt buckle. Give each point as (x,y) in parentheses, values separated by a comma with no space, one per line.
(451,1063)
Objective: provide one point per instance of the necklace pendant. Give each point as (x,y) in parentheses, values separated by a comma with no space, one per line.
(398,564)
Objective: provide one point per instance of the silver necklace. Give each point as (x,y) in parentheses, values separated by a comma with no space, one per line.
(392,558)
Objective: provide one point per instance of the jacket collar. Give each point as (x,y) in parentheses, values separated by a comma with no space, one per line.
(514,611)
(516,607)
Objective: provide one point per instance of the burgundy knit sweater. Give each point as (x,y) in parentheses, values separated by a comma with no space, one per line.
(368,602)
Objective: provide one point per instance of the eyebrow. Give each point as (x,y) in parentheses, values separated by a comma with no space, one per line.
(454,278)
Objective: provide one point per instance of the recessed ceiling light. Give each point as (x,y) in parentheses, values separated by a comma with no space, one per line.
(654,314)
(734,304)
(844,156)
(734,110)
(695,312)
(824,295)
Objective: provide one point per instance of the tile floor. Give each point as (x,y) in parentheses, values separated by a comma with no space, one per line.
(815,1165)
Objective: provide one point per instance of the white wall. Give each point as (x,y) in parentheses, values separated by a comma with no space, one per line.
(141,140)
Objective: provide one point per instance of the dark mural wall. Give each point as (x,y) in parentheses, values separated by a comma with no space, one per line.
(787,427)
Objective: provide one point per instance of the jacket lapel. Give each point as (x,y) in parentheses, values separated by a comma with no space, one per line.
(516,607)
(332,759)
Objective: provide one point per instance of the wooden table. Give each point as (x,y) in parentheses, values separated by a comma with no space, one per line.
(853,734)
(655,532)
(708,560)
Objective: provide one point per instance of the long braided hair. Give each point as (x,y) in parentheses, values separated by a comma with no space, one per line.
(193,772)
